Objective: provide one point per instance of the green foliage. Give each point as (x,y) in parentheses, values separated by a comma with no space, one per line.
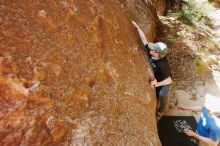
(190,11)
(186,16)
(200,11)
(201,67)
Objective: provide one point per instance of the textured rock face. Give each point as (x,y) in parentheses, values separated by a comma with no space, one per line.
(143,13)
(74,73)
(160,6)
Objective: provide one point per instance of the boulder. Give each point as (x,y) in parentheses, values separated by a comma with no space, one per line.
(92,70)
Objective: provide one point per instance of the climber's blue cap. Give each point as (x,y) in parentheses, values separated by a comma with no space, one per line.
(159,47)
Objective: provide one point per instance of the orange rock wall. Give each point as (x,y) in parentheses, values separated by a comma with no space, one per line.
(75,73)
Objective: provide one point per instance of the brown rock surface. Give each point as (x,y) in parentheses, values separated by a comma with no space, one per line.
(144,13)
(93,75)
(160,6)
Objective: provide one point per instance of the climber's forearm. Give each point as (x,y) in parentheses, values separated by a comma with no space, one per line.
(140,33)
(206,140)
(142,36)
(189,108)
(167,81)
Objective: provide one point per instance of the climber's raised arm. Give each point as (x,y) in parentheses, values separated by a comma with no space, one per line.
(141,33)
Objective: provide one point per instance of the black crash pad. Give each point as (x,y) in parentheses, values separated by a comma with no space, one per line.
(171,130)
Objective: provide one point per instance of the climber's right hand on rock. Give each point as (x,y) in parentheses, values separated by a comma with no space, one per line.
(153,83)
